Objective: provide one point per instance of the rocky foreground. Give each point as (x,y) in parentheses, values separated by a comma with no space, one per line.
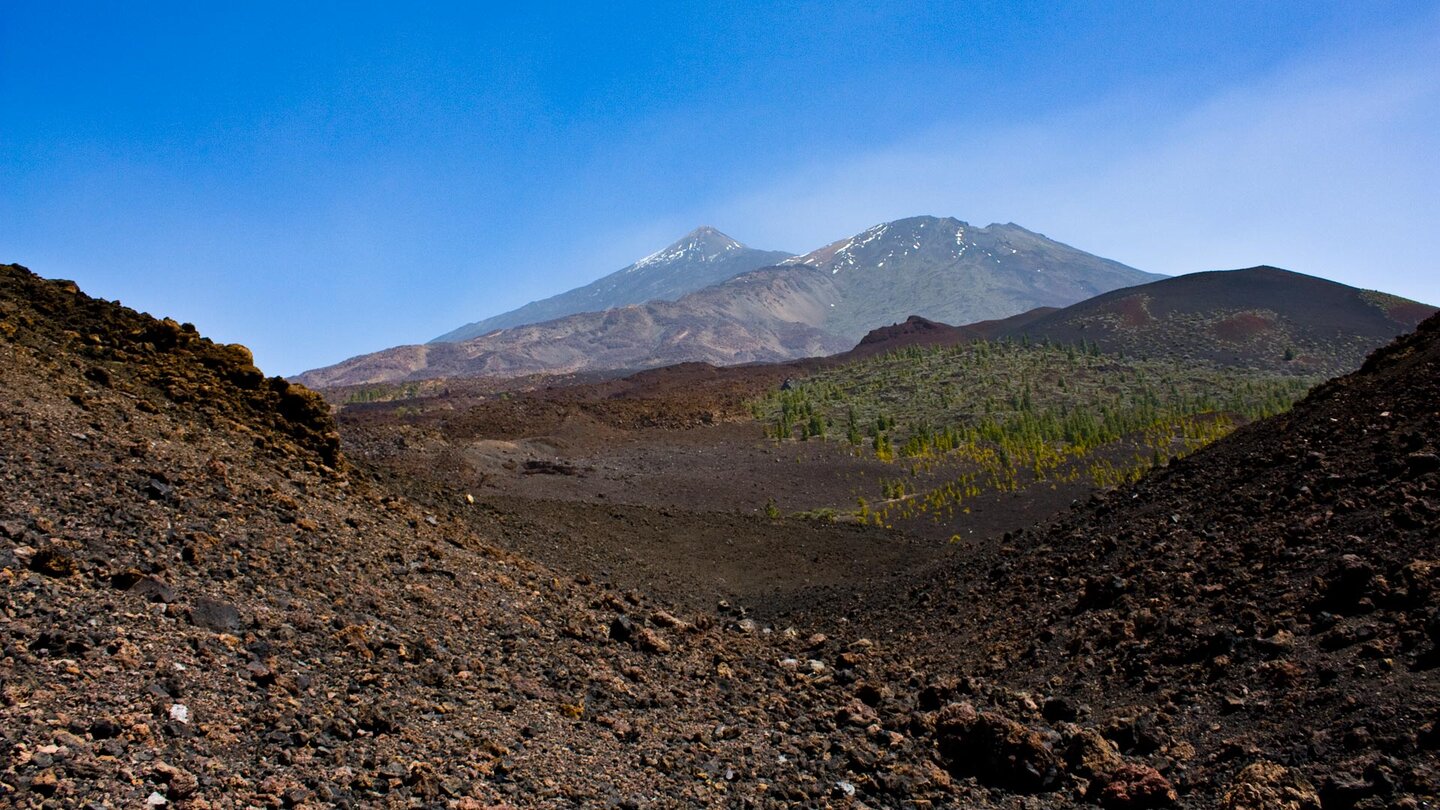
(206,605)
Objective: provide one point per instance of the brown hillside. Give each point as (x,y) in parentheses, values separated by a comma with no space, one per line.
(1262,317)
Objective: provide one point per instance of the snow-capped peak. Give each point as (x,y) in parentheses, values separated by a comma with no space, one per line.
(704,244)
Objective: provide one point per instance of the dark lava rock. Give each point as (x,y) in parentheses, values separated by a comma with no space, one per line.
(1421,463)
(1060,710)
(995,749)
(213,614)
(1347,583)
(158,489)
(622,628)
(52,562)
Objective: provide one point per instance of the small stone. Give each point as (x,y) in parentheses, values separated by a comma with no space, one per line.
(995,749)
(855,713)
(158,490)
(664,619)
(180,713)
(1090,755)
(104,729)
(1060,710)
(394,769)
(52,562)
(650,641)
(156,800)
(45,783)
(260,672)
(622,628)
(182,784)
(213,614)
(1421,463)
(154,590)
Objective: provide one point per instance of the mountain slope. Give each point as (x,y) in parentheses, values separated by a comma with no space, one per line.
(1261,317)
(918,331)
(1271,597)
(756,317)
(946,270)
(702,257)
(822,302)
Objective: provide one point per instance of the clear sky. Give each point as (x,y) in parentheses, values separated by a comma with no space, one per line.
(317,180)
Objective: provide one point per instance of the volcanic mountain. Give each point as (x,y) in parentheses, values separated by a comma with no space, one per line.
(1261,317)
(946,270)
(696,260)
(762,316)
(819,303)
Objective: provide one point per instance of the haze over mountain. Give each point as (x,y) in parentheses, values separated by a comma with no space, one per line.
(819,303)
(696,260)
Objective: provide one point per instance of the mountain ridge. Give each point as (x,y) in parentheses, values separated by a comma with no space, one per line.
(700,258)
(942,269)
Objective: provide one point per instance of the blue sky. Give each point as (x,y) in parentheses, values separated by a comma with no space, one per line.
(318,180)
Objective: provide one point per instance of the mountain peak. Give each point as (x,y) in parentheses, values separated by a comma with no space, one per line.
(704,244)
(707,232)
(893,240)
